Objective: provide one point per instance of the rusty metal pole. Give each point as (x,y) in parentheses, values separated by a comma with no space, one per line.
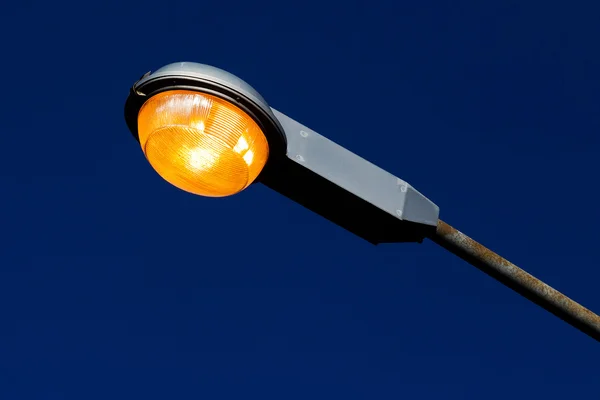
(518,280)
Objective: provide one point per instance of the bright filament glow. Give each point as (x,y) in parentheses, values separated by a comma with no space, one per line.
(201,143)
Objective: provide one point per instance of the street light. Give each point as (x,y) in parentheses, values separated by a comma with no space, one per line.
(208,132)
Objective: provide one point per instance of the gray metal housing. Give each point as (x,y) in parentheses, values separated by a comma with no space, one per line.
(355,174)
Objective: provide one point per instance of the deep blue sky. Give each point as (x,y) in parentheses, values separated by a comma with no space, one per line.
(115,285)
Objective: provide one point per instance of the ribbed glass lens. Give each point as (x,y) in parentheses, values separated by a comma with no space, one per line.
(201,143)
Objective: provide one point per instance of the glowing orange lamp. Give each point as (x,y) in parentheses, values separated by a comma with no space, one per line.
(200,143)
(203,129)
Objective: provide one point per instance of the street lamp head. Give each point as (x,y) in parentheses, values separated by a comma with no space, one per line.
(208,132)
(203,129)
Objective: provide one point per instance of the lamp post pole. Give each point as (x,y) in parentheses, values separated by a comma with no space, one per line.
(518,280)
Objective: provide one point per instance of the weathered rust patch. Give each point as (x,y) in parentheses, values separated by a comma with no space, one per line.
(517,279)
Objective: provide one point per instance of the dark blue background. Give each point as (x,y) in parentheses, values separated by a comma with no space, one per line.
(115,285)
